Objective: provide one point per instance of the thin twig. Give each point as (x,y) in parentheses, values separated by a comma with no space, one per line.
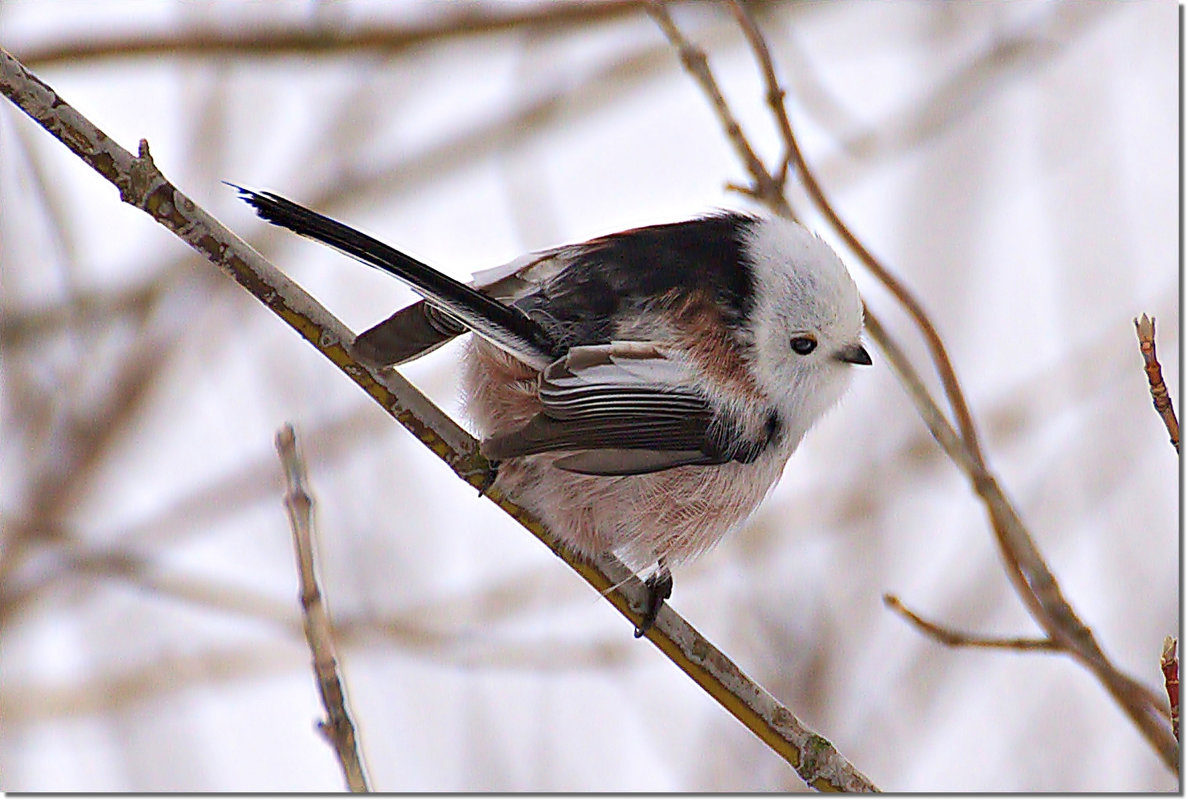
(1170,665)
(251,41)
(1032,578)
(959,639)
(1145,328)
(338,727)
(142,185)
(694,60)
(775,93)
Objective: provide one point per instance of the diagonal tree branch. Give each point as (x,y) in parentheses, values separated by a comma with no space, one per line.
(142,185)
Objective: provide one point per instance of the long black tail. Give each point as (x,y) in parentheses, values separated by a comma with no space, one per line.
(505,326)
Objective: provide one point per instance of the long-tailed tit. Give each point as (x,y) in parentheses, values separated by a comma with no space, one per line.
(640,392)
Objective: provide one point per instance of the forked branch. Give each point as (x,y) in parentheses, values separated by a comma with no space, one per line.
(1033,580)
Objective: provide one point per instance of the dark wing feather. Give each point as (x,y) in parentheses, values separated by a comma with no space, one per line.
(624,408)
(408,334)
(613,462)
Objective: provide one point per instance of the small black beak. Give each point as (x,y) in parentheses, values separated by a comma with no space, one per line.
(854,354)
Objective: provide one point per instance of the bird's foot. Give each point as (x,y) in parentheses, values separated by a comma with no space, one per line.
(488,479)
(659,586)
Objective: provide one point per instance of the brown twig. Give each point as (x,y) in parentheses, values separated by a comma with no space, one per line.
(765,187)
(1169,663)
(1145,328)
(142,185)
(775,92)
(958,639)
(338,728)
(280,40)
(1026,568)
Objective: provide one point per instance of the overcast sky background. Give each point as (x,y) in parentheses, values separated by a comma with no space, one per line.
(1015,163)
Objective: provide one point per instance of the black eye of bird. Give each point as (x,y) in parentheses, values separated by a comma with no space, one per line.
(803,345)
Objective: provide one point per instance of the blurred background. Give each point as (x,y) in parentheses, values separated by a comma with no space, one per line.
(1015,163)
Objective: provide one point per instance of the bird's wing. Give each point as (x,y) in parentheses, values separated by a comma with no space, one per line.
(624,408)
(503,325)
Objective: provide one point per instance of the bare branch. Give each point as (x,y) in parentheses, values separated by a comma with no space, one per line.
(765,189)
(1033,580)
(959,639)
(279,41)
(1169,664)
(775,92)
(338,727)
(142,185)
(1145,328)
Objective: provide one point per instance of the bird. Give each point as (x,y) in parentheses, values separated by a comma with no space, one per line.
(640,392)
